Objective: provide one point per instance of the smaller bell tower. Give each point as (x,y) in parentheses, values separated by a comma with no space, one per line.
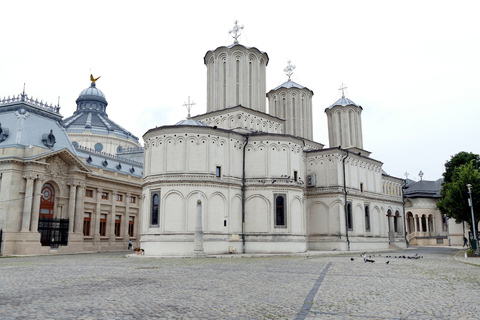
(344,123)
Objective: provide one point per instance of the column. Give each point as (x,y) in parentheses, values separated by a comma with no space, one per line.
(79,208)
(27,204)
(96,221)
(71,206)
(37,192)
(126,218)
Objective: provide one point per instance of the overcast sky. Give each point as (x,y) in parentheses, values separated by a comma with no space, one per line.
(414,66)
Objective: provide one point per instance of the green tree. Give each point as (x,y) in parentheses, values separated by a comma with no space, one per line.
(454,201)
(456,161)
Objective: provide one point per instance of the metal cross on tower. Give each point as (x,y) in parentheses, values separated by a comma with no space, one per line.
(406,174)
(236,31)
(342,87)
(289,69)
(420,174)
(189,106)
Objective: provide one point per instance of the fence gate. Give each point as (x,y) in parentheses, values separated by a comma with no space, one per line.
(54,232)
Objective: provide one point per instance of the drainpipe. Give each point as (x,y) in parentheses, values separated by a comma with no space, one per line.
(404,186)
(345,191)
(243,196)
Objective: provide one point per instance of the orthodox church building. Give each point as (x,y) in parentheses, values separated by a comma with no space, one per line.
(264,184)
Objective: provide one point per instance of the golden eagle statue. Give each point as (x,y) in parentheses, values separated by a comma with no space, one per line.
(94,79)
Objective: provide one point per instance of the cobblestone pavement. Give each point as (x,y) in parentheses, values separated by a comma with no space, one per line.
(110,286)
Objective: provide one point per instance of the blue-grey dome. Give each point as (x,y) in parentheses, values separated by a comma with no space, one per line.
(92,94)
(190,122)
(91,115)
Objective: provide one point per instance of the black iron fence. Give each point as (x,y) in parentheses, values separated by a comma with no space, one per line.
(54,232)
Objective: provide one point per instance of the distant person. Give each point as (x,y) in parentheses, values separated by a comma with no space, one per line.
(465,241)
(130,245)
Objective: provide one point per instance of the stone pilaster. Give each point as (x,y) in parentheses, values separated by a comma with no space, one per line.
(126,218)
(96,219)
(27,203)
(113,217)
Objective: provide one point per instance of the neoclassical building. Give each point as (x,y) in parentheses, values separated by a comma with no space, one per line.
(264,184)
(58,196)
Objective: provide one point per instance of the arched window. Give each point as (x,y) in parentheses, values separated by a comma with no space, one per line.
(396,220)
(367,218)
(154,210)
(424,223)
(349,216)
(280,210)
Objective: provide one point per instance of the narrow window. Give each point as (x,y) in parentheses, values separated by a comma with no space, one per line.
(295,175)
(280,210)
(119,197)
(88,193)
(367,218)
(86,224)
(218,172)
(237,87)
(105,195)
(361,187)
(133,199)
(118,223)
(130,226)
(154,212)
(349,216)
(103,225)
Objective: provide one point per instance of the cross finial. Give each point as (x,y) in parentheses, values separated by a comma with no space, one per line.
(406,174)
(420,174)
(342,87)
(23,93)
(189,106)
(289,69)
(236,32)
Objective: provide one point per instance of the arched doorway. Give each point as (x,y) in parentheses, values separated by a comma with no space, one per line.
(53,232)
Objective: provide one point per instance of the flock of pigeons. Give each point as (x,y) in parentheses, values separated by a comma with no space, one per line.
(369,258)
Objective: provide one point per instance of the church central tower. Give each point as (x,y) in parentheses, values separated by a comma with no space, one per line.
(236,76)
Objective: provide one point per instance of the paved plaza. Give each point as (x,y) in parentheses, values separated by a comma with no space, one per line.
(313,286)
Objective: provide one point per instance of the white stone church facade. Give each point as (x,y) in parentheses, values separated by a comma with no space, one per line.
(265,185)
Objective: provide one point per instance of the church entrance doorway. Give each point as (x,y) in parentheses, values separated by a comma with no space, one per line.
(53,232)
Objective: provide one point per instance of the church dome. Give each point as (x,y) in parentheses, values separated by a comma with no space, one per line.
(343,102)
(92,94)
(190,122)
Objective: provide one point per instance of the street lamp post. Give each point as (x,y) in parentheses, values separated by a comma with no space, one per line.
(470,202)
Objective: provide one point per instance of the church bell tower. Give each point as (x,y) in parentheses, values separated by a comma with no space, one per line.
(236,76)
(345,123)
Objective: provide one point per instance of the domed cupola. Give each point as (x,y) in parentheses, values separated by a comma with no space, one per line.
(91,99)
(345,123)
(189,121)
(90,121)
(292,102)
